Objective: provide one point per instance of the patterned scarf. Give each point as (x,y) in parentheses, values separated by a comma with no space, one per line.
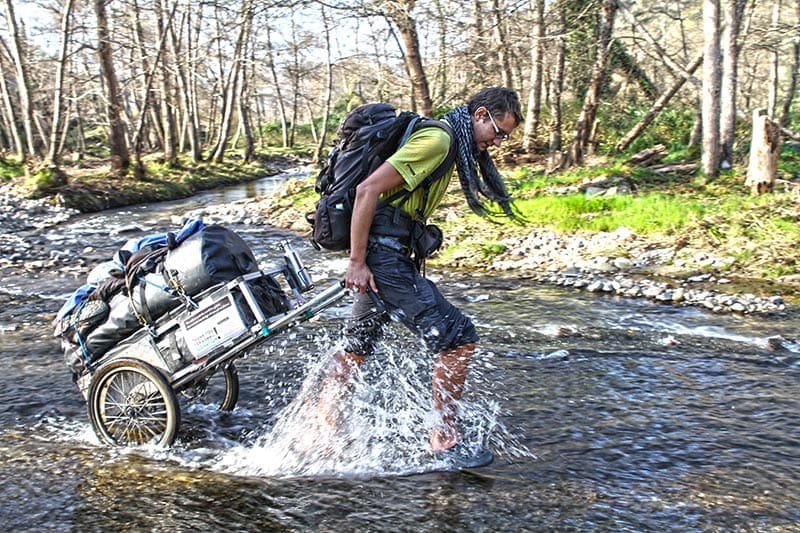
(489,183)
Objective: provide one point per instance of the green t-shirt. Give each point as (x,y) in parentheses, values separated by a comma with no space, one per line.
(422,153)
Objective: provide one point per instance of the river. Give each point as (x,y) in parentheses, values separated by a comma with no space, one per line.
(603,414)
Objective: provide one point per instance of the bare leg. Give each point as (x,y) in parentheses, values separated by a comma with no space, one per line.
(449,375)
(334,386)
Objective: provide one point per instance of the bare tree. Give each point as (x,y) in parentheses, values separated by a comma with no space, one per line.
(795,71)
(58,100)
(535,91)
(9,115)
(501,43)
(399,11)
(586,120)
(774,63)
(232,80)
(277,87)
(711,88)
(732,12)
(557,84)
(657,107)
(328,86)
(23,84)
(120,157)
(164,17)
(149,81)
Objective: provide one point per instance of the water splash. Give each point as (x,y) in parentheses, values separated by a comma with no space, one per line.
(379,423)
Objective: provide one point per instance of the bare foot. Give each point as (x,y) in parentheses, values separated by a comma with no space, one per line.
(443,439)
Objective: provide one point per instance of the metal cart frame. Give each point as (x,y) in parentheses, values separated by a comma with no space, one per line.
(131,392)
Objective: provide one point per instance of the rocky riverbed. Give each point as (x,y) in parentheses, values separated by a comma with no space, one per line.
(588,262)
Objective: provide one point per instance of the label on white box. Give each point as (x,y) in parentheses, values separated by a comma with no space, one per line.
(212,325)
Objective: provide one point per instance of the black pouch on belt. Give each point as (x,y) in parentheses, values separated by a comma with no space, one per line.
(426,239)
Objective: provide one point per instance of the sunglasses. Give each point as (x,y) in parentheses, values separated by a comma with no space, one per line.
(498,133)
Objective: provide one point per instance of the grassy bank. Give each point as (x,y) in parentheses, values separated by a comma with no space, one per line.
(91,187)
(758,235)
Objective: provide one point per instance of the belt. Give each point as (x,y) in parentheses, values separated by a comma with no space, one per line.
(391,243)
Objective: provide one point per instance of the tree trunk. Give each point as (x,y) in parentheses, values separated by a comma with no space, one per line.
(146,103)
(230,90)
(711,88)
(149,80)
(10,116)
(58,100)
(557,84)
(696,136)
(441,71)
(732,15)
(501,43)
(277,84)
(535,93)
(657,107)
(295,77)
(23,83)
(192,103)
(81,132)
(406,26)
(774,65)
(326,112)
(120,157)
(245,125)
(167,101)
(764,150)
(586,119)
(792,89)
(412,100)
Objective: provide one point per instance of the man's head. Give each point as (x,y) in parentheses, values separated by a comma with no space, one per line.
(495,112)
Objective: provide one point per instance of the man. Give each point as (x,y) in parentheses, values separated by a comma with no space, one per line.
(381,243)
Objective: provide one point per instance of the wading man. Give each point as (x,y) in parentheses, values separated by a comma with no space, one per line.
(386,246)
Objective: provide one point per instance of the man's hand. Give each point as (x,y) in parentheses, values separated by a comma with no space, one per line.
(359,277)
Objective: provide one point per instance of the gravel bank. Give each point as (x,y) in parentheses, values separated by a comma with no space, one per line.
(582,261)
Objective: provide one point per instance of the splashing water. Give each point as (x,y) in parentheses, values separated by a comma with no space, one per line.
(380,422)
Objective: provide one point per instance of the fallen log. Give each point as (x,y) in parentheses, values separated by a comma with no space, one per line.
(650,156)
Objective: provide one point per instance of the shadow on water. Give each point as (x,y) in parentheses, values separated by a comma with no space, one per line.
(603,414)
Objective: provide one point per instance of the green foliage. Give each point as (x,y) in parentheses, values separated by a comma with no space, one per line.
(304,144)
(789,161)
(672,128)
(10,169)
(42,181)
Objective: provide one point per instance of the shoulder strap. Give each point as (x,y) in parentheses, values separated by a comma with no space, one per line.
(438,172)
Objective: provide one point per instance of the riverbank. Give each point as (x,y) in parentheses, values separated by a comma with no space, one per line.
(652,269)
(657,269)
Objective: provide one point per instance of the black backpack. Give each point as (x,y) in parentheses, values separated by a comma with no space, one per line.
(368,136)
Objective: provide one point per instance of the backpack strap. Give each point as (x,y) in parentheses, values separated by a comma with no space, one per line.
(438,172)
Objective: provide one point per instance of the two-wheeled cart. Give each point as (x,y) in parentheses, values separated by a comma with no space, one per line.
(132,390)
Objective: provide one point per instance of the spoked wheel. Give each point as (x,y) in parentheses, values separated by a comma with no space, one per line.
(131,403)
(221,388)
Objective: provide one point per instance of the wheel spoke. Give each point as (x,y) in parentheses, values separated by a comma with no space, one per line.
(131,405)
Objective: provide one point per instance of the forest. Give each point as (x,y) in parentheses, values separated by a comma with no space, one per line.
(121,82)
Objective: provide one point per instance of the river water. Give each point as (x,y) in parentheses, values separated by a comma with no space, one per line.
(603,414)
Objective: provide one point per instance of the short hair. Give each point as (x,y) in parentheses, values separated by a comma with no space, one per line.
(498,100)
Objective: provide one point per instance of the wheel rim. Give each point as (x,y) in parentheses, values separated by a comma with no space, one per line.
(220,388)
(134,405)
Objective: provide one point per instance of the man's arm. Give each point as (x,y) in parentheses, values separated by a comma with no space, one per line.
(383,179)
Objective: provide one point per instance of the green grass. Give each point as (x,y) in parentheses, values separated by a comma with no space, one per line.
(647,214)
(9,169)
